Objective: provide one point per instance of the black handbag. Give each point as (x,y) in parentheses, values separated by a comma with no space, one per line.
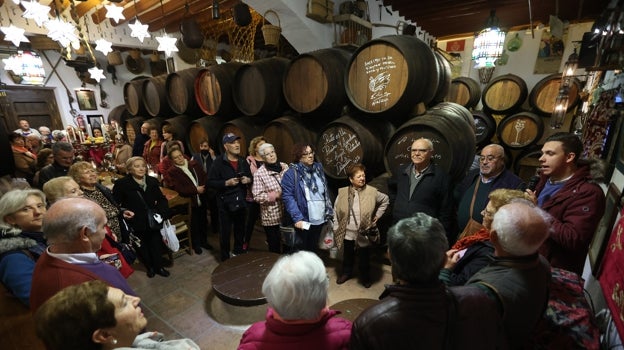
(154,220)
(233,201)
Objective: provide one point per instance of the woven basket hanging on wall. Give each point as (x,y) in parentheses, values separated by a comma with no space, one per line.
(271,33)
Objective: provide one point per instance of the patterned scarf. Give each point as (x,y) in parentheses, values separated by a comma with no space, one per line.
(309,174)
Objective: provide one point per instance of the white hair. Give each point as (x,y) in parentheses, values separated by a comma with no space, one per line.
(296,286)
(264,147)
(521,227)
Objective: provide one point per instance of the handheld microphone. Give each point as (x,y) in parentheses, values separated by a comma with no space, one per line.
(533,181)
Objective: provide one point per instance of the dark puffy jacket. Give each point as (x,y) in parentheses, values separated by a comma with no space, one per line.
(416,317)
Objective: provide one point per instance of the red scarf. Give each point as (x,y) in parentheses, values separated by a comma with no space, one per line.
(480,236)
(22,149)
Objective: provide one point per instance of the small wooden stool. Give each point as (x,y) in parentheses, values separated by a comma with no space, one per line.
(238,280)
(351,308)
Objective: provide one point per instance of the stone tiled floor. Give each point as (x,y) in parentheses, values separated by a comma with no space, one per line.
(184,305)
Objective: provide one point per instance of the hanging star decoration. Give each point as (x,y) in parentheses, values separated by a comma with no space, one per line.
(12,63)
(14,34)
(36,12)
(167,44)
(114,12)
(104,46)
(139,30)
(96,73)
(61,31)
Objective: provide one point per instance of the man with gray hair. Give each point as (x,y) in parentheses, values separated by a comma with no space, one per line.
(518,277)
(471,194)
(63,153)
(419,312)
(422,186)
(75,229)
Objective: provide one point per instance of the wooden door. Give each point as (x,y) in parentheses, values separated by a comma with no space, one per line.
(35,104)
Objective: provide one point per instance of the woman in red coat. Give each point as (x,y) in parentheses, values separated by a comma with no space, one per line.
(188,178)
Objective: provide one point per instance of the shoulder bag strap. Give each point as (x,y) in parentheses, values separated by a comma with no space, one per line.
(474,196)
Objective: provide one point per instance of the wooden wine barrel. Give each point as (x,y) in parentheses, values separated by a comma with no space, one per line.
(444,78)
(118,114)
(464,91)
(205,128)
(391,75)
(180,125)
(545,92)
(504,94)
(527,162)
(258,87)
(286,131)
(213,89)
(132,127)
(485,127)
(155,96)
(133,97)
(520,130)
(444,108)
(453,139)
(314,82)
(245,127)
(180,88)
(347,141)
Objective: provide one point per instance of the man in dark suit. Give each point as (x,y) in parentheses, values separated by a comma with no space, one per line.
(140,139)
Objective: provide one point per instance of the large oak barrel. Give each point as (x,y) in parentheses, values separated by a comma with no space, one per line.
(347,141)
(452,137)
(391,75)
(520,130)
(485,127)
(205,128)
(180,88)
(245,127)
(444,78)
(314,82)
(180,125)
(527,162)
(464,91)
(544,94)
(286,131)
(213,89)
(118,115)
(133,96)
(132,127)
(258,87)
(504,94)
(155,96)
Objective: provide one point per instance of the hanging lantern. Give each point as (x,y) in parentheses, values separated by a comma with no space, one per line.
(488,47)
(561,107)
(569,69)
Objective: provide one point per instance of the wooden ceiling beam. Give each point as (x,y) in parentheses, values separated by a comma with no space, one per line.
(199,12)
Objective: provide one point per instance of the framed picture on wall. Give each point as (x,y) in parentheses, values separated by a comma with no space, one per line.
(96,123)
(86,100)
(601,236)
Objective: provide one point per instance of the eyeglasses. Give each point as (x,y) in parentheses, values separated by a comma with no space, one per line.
(488,158)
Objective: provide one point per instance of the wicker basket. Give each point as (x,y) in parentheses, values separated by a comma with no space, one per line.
(270,32)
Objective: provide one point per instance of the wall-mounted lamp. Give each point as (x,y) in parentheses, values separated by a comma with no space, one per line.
(215,9)
(488,47)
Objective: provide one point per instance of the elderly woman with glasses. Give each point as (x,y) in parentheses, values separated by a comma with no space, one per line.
(267,192)
(471,253)
(306,198)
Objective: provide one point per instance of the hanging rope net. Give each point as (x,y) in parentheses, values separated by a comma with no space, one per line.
(240,39)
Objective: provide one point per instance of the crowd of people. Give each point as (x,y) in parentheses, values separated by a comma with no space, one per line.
(470,261)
